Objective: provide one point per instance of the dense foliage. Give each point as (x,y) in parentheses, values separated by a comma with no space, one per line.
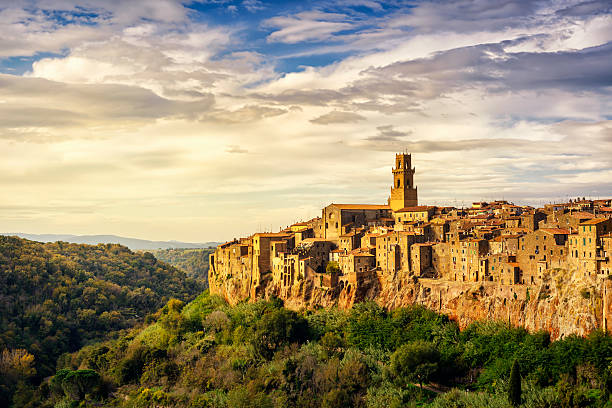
(208,354)
(193,261)
(57,297)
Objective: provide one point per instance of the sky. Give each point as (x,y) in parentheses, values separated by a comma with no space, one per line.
(208,120)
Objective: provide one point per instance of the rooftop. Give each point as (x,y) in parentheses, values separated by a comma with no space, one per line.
(360,206)
(556,231)
(418,208)
(594,221)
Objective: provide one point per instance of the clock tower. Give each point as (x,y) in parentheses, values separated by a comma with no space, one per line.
(403,192)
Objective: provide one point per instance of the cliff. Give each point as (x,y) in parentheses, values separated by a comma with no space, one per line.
(563,304)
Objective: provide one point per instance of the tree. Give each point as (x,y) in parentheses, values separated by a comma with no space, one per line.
(514,390)
(332,267)
(415,361)
(16,367)
(332,344)
(75,384)
(277,328)
(16,364)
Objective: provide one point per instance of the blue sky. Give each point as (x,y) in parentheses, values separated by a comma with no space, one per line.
(200,121)
(253,24)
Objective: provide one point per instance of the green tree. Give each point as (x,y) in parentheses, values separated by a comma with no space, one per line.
(75,384)
(332,267)
(277,328)
(514,389)
(414,362)
(336,398)
(332,344)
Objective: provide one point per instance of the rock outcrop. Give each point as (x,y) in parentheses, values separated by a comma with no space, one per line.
(564,304)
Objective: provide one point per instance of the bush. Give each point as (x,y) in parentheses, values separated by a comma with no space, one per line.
(414,362)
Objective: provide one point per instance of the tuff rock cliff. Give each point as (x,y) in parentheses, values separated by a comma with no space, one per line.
(563,304)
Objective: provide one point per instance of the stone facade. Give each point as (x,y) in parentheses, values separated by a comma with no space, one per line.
(497,252)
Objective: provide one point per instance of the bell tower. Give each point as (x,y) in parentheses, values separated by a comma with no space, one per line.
(403,191)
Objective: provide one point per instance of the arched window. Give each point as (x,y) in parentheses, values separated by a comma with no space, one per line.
(398,183)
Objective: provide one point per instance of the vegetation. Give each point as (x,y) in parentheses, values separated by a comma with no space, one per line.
(57,297)
(193,261)
(208,354)
(514,389)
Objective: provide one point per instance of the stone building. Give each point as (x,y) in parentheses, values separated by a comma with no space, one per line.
(403,190)
(490,243)
(340,219)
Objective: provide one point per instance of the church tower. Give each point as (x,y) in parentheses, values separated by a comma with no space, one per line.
(403,192)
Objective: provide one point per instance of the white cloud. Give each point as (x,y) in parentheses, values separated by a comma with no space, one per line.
(306,26)
(163,119)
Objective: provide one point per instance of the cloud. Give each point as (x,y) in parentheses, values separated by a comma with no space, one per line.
(28,28)
(253,5)
(337,117)
(84,105)
(244,114)
(586,8)
(306,26)
(468,15)
(144,114)
(388,134)
(236,149)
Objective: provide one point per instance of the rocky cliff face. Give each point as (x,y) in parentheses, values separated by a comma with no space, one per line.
(564,304)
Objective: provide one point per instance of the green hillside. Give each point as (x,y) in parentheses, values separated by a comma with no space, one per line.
(57,297)
(207,354)
(193,261)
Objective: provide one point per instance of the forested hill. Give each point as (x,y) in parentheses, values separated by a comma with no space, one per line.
(57,297)
(194,261)
(132,243)
(207,354)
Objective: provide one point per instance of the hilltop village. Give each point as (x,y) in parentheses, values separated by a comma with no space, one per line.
(358,251)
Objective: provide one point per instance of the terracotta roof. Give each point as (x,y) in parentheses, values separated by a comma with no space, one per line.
(594,221)
(518,229)
(418,208)
(556,231)
(228,243)
(308,240)
(272,234)
(439,220)
(581,214)
(360,253)
(361,206)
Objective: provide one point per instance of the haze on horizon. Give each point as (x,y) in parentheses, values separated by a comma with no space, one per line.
(207,120)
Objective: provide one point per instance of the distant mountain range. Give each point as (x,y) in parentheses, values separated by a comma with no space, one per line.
(132,243)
